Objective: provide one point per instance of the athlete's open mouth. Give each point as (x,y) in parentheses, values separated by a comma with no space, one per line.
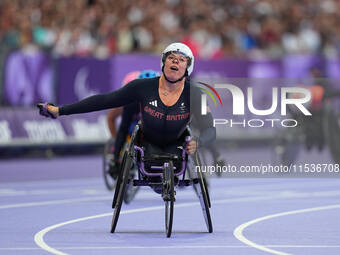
(174,68)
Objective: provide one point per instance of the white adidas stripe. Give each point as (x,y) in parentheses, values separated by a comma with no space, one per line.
(154,103)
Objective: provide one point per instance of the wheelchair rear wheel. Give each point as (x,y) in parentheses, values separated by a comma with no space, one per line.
(204,179)
(201,189)
(203,197)
(122,182)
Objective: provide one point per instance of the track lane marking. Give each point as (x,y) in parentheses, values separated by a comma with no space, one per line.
(172,247)
(54,202)
(189,194)
(39,237)
(238,232)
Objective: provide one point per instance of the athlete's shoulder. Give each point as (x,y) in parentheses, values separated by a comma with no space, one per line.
(144,83)
(151,83)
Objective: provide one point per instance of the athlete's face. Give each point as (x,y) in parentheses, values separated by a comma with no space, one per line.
(175,66)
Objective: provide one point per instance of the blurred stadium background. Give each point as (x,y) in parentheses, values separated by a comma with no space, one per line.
(62,51)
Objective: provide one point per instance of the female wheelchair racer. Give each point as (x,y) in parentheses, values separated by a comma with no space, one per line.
(167,104)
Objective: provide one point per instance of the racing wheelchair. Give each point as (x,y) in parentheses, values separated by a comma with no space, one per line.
(163,173)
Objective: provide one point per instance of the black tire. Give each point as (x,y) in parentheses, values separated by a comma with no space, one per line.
(120,191)
(207,190)
(110,183)
(201,190)
(204,200)
(191,174)
(198,162)
(169,204)
(119,180)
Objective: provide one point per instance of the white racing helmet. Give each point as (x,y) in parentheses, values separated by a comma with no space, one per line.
(182,49)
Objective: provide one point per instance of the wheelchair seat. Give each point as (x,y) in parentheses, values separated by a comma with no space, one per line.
(162,157)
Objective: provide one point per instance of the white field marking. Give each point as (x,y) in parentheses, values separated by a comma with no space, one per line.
(64,182)
(231,191)
(39,237)
(184,194)
(64,201)
(238,232)
(55,202)
(85,191)
(221,191)
(173,247)
(283,194)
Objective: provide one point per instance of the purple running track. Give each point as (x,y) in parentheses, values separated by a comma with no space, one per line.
(46,208)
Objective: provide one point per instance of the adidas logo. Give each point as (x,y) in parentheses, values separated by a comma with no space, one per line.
(154,103)
(182,107)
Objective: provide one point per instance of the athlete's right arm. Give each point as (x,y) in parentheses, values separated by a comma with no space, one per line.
(124,96)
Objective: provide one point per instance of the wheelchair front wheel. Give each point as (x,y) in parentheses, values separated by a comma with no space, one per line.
(169,196)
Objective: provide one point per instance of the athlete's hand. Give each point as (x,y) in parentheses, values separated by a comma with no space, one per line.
(48,110)
(192,147)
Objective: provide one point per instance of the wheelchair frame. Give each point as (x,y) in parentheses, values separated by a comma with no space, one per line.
(167,184)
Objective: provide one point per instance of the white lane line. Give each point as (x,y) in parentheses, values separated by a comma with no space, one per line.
(39,237)
(172,247)
(146,195)
(55,202)
(8,190)
(238,232)
(39,192)
(62,181)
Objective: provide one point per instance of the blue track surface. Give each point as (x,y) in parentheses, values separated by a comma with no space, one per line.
(61,206)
